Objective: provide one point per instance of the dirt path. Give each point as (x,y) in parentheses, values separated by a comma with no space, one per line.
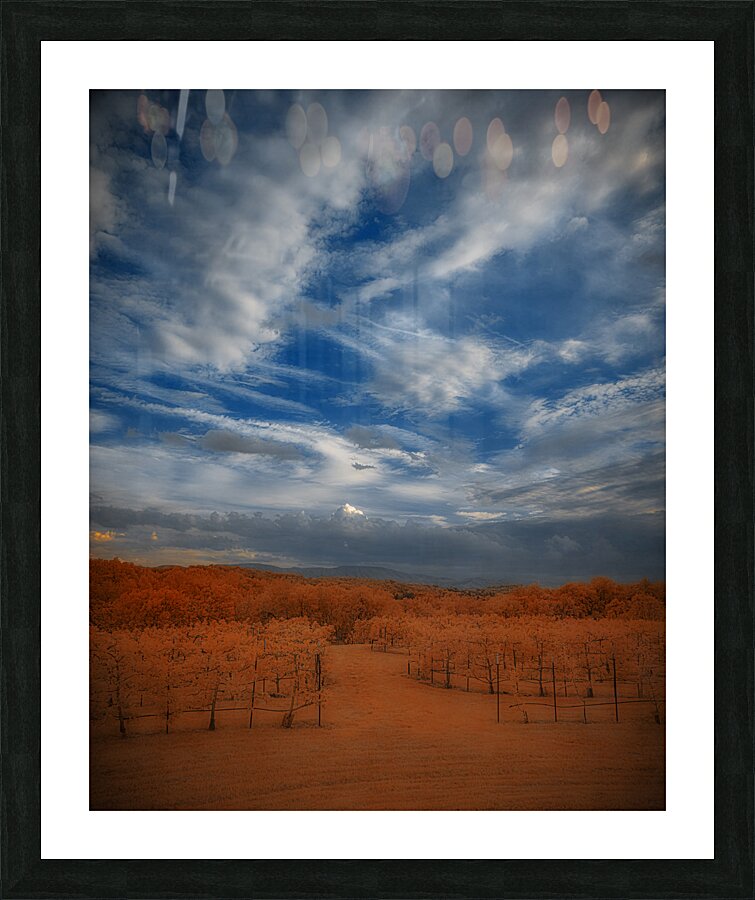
(388,742)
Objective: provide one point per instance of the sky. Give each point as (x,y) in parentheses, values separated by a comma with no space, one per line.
(417,330)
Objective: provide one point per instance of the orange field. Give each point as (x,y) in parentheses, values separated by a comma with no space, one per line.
(388,741)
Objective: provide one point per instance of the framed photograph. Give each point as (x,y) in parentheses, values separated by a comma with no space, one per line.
(377,470)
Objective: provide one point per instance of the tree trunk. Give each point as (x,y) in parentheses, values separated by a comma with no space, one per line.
(254,683)
(318,663)
(540,672)
(211,726)
(555,703)
(119,705)
(288,717)
(639,675)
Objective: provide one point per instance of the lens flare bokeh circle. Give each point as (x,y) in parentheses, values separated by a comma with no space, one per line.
(593,103)
(215,106)
(296,126)
(407,135)
(429,139)
(495,130)
(463,136)
(331,152)
(560,150)
(443,160)
(502,151)
(562,115)
(604,117)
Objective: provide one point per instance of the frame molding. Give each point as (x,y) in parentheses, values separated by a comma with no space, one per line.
(23,24)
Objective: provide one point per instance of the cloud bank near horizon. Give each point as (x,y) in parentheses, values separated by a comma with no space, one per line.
(519,551)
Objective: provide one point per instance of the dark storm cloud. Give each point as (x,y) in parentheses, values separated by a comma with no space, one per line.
(230,442)
(370,438)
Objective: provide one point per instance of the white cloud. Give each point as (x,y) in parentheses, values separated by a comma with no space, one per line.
(104,214)
(644,390)
(424,373)
(479,516)
(539,203)
(253,240)
(247,244)
(597,448)
(224,462)
(100,422)
(577,224)
(347,511)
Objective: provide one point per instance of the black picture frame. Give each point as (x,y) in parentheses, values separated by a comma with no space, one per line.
(24,25)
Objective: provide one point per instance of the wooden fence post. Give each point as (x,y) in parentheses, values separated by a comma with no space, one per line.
(254,688)
(318,670)
(541,689)
(553,677)
(497,689)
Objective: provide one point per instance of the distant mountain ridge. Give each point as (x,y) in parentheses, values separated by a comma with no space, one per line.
(375,573)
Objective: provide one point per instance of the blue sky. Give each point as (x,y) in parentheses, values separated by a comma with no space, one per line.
(313,346)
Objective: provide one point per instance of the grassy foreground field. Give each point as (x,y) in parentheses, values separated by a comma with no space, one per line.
(387,742)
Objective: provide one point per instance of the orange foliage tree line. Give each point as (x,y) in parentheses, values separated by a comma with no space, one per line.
(524,655)
(124,595)
(168,670)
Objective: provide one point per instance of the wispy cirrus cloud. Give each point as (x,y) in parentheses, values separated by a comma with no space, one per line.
(427,374)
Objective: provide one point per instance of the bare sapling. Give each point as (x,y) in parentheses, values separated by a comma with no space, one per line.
(588,668)
(555,703)
(288,717)
(522,710)
(541,689)
(254,682)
